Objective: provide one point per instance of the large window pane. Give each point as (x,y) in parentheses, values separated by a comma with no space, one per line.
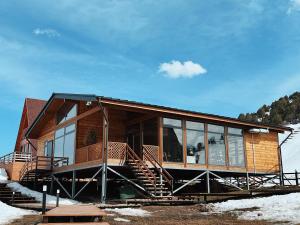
(64,143)
(172,140)
(236,147)
(195,142)
(69,147)
(59,147)
(66,112)
(172,122)
(216,145)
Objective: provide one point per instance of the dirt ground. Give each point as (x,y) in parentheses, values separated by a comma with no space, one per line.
(165,215)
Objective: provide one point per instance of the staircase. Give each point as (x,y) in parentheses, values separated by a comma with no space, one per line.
(153,177)
(39,166)
(8,196)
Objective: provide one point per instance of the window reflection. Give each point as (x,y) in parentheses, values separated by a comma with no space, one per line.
(64,143)
(66,112)
(236,147)
(195,142)
(216,145)
(172,140)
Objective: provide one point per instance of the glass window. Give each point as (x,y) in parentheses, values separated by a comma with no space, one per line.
(172,122)
(66,112)
(64,143)
(69,147)
(195,142)
(236,147)
(216,145)
(172,140)
(48,145)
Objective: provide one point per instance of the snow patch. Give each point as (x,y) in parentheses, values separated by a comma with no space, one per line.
(275,208)
(130,212)
(3,175)
(291,150)
(9,213)
(121,220)
(38,195)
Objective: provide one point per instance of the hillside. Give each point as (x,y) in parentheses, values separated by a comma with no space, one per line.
(285,110)
(291,150)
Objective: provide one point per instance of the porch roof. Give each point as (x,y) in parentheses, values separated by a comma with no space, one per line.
(153,108)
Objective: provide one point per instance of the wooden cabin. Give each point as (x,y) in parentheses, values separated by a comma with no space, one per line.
(84,132)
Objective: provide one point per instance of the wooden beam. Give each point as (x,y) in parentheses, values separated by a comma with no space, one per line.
(206,143)
(140,119)
(178,112)
(184,143)
(160,139)
(74,119)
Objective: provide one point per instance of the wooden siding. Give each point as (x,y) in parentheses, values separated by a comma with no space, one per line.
(41,142)
(13,170)
(117,125)
(264,148)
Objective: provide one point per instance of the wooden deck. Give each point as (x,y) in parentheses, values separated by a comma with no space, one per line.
(75,214)
(76,210)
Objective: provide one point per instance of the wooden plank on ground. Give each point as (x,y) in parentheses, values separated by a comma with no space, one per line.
(76,210)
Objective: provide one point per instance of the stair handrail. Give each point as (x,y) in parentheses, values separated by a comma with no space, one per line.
(158,167)
(36,162)
(141,165)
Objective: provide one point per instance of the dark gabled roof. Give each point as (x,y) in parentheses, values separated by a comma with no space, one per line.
(34,107)
(31,109)
(108,100)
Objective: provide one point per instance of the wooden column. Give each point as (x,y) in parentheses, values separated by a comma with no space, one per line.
(104,155)
(160,139)
(184,142)
(206,143)
(226,147)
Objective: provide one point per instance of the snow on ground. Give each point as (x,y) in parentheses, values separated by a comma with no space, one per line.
(121,220)
(291,150)
(38,195)
(130,212)
(275,208)
(9,213)
(3,175)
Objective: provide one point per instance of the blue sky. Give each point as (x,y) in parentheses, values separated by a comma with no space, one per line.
(223,57)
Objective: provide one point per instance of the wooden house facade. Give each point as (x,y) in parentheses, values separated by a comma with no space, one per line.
(153,147)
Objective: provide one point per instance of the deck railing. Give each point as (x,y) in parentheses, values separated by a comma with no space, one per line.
(42,163)
(15,157)
(116,150)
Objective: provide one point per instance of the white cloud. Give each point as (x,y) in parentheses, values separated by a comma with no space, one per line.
(294,6)
(177,69)
(48,32)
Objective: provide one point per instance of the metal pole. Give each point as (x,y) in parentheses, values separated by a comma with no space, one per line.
(44,199)
(13,198)
(207,181)
(57,197)
(73,184)
(247,179)
(51,185)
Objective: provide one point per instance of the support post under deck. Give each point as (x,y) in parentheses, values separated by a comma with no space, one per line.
(207,182)
(104,154)
(73,184)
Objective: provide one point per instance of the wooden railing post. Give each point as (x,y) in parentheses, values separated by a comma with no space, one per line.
(296,177)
